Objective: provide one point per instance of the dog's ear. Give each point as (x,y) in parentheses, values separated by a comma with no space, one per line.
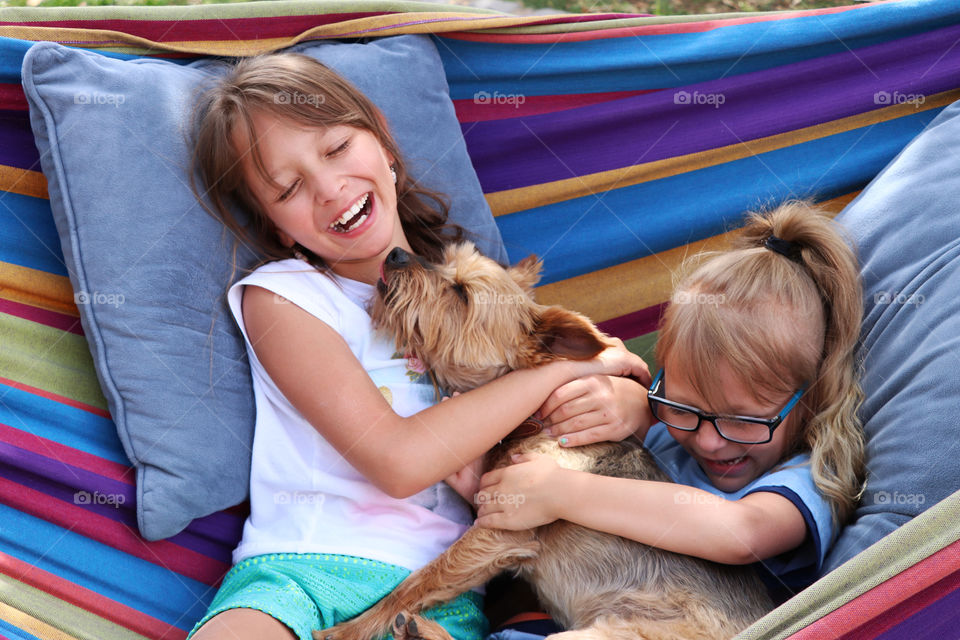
(526,273)
(566,334)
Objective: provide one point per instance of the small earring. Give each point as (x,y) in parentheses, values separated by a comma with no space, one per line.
(393,174)
(299,256)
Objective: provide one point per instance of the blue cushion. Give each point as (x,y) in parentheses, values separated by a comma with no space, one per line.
(150,266)
(906,225)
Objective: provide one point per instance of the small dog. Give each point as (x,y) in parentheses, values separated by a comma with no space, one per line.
(470,320)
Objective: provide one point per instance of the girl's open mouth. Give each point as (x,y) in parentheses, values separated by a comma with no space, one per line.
(354,216)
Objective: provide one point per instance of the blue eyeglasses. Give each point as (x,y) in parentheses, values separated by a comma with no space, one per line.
(740,429)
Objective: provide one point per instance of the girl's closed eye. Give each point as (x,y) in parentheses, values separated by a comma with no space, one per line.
(289,191)
(341,148)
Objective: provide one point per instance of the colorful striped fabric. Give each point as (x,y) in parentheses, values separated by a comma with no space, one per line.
(613,146)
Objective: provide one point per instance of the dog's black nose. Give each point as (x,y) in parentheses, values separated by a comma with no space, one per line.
(397,258)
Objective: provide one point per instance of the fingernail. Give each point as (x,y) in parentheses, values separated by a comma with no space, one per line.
(548,431)
(564,441)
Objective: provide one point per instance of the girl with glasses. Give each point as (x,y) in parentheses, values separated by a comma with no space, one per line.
(753,413)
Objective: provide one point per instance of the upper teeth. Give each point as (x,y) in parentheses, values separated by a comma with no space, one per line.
(352,211)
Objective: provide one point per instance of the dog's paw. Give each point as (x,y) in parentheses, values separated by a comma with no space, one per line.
(411,627)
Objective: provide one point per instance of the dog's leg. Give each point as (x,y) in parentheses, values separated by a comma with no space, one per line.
(479,555)
(411,627)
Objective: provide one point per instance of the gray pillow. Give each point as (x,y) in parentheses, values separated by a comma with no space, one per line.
(150,266)
(906,225)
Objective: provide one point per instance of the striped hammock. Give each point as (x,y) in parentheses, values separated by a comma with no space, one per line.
(597,141)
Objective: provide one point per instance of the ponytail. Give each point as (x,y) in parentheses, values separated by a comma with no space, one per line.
(832,432)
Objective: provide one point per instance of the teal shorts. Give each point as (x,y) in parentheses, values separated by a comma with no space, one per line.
(315,591)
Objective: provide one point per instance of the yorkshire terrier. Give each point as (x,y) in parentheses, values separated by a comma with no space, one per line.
(470,320)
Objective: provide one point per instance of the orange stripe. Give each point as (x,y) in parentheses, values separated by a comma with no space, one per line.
(37,289)
(23,182)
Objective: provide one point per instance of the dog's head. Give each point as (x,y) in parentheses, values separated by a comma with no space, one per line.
(470,320)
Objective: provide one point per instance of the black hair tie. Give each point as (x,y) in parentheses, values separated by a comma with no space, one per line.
(785,248)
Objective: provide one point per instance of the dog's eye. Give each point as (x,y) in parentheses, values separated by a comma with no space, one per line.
(458,288)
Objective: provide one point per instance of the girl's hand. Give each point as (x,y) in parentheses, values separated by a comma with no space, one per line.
(521,496)
(617,360)
(596,409)
(466,482)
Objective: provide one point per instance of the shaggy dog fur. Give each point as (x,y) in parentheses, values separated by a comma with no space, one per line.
(470,320)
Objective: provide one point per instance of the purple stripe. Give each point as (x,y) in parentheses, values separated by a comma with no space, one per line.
(634,324)
(936,620)
(659,125)
(17,148)
(109,498)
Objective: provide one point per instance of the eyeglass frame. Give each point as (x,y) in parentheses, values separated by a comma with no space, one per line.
(770,423)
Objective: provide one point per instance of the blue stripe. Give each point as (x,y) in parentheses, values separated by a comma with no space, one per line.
(141,585)
(585,234)
(29,235)
(672,60)
(13,633)
(61,423)
(12,51)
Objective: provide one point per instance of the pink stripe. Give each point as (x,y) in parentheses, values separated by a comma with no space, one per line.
(484,107)
(70,402)
(74,457)
(648,30)
(634,325)
(46,317)
(11,97)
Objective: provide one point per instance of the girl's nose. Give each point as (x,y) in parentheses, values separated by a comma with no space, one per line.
(708,438)
(328,186)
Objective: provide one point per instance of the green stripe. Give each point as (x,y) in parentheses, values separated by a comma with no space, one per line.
(49,359)
(643,346)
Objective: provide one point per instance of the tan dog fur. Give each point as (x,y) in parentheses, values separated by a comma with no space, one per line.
(470,320)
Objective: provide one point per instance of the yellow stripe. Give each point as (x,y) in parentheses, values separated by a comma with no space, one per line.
(37,288)
(418,22)
(23,182)
(624,288)
(523,198)
(31,625)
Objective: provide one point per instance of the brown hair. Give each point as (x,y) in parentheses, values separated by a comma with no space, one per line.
(300,89)
(780,322)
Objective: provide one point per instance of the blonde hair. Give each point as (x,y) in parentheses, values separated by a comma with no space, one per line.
(300,89)
(781,321)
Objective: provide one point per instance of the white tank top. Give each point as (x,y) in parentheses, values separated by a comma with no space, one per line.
(304,497)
